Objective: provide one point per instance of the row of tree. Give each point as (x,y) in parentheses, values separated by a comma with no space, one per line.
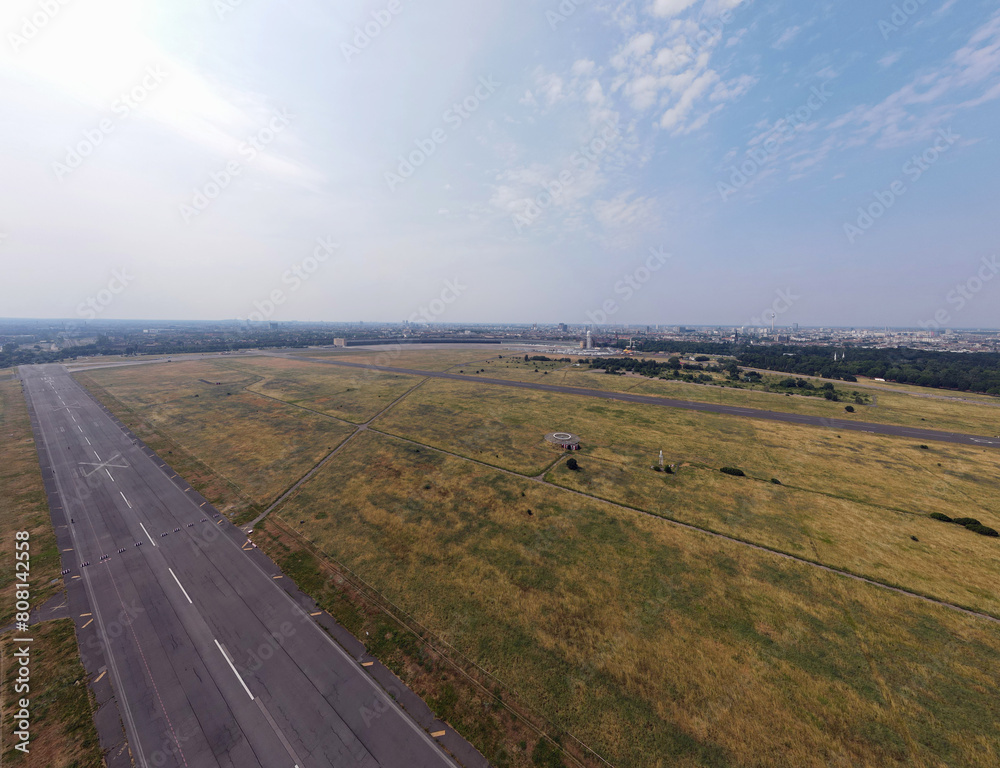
(966,372)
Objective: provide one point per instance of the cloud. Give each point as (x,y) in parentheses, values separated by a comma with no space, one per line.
(968,79)
(666,9)
(786,37)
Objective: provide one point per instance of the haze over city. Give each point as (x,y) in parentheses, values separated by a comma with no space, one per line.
(533,153)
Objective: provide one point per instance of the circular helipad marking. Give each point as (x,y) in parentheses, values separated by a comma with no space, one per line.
(563,438)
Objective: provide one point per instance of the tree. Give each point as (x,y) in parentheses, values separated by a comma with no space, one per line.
(573,464)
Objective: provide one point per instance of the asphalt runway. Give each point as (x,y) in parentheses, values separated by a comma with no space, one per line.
(912,433)
(211,662)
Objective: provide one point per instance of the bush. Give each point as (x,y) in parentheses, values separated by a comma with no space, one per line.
(966,521)
(573,464)
(775,481)
(924,447)
(668,469)
(849,408)
(941,517)
(982,530)
(733,471)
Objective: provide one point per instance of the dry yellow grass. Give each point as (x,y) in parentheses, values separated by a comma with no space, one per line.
(852,502)
(905,406)
(23,506)
(257,444)
(655,645)
(344,393)
(401,356)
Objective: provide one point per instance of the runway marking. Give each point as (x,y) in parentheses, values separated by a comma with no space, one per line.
(85,615)
(68,550)
(100,676)
(88,440)
(230,662)
(367,663)
(438,734)
(76,577)
(147,534)
(97,455)
(276,577)
(126,500)
(109,474)
(87,624)
(180,585)
(316,614)
(279,734)
(79,427)
(202,504)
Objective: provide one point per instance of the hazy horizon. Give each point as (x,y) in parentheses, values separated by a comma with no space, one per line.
(711,160)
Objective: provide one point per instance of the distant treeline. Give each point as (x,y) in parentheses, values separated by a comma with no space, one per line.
(965,372)
(10,355)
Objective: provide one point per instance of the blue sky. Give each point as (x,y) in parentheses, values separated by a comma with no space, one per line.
(526,159)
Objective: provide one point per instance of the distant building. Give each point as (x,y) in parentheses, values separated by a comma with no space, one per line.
(590,341)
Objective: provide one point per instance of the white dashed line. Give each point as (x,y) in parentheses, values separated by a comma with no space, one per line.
(187,596)
(229,661)
(126,500)
(147,534)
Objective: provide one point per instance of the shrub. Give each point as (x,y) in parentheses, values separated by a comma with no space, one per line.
(849,408)
(573,464)
(733,471)
(941,517)
(924,447)
(775,481)
(966,521)
(982,530)
(668,469)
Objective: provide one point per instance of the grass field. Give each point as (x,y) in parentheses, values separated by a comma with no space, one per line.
(909,406)
(402,356)
(853,501)
(62,728)
(240,450)
(343,393)
(655,645)
(23,506)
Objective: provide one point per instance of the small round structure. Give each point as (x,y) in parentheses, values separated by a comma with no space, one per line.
(564,439)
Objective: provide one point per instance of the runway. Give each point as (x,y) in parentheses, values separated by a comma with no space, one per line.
(688,405)
(212,663)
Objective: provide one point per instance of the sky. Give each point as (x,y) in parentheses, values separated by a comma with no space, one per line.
(656,162)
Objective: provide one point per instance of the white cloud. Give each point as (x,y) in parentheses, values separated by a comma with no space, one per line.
(787,36)
(665,9)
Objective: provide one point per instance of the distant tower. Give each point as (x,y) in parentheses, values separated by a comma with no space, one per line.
(590,341)
(772,322)
(661,459)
